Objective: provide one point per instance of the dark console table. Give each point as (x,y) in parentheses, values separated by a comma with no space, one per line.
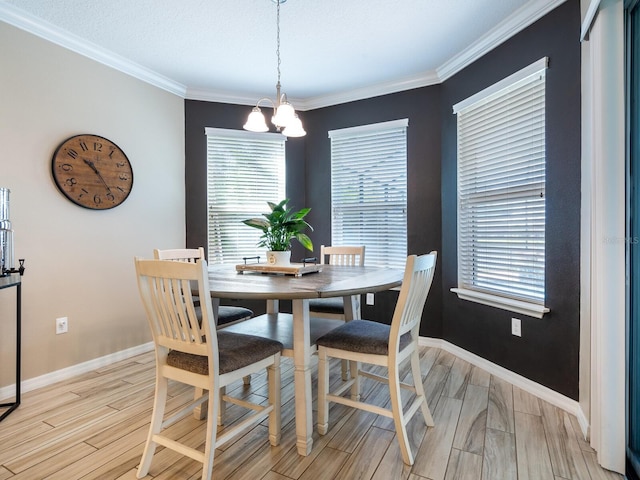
(14,280)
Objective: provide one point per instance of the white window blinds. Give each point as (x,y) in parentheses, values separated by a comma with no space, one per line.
(501,188)
(245,170)
(369,190)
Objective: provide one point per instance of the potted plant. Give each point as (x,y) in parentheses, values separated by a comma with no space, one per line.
(279,227)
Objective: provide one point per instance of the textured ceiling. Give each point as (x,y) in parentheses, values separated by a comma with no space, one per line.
(329,48)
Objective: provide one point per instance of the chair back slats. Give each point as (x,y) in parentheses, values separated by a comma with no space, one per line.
(181,312)
(157,292)
(418,276)
(343,255)
(166,292)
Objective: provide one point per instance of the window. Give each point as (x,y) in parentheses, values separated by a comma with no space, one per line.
(501,193)
(369,190)
(245,170)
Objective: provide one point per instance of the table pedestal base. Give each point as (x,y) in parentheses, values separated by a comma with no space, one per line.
(299,330)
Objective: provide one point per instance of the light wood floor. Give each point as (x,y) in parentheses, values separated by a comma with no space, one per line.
(94,425)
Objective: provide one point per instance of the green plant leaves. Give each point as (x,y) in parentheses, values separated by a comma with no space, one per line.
(282,225)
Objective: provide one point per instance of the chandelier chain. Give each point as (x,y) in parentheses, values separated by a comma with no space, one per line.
(284,117)
(278,38)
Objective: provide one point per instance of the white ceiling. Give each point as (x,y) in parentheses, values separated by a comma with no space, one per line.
(331,50)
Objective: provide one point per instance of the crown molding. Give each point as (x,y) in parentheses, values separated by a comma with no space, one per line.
(222,96)
(517,22)
(25,21)
(407,83)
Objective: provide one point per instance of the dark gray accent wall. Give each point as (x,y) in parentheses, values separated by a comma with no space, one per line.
(199,115)
(421,107)
(548,352)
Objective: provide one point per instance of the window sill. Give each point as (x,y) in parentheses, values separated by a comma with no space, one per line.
(518,306)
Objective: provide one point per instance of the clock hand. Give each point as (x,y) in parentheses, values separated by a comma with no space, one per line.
(93,167)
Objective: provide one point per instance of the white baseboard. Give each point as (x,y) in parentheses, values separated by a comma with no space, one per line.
(524,383)
(50,378)
(583,421)
(540,391)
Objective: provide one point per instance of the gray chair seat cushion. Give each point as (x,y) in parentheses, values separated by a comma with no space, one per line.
(327,305)
(362,336)
(228,314)
(235,351)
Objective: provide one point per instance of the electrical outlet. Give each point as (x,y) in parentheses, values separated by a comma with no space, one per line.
(516,327)
(62,325)
(370,299)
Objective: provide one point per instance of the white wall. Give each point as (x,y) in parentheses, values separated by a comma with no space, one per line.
(79,262)
(603,392)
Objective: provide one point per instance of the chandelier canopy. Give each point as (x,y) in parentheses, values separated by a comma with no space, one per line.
(284,115)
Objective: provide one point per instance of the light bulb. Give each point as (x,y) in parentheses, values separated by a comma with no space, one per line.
(294,129)
(285,114)
(256,121)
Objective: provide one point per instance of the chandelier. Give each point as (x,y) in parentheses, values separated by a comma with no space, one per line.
(284,115)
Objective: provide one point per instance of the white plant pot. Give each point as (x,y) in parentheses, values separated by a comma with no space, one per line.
(279,258)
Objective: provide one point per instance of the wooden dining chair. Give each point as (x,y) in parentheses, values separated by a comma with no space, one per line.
(333,307)
(338,255)
(227,315)
(189,349)
(364,341)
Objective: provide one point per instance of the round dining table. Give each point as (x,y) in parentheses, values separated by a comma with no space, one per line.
(298,331)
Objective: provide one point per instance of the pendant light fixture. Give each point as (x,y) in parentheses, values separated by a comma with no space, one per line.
(284,115)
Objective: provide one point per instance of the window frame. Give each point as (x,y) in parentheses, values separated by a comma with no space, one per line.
(244,183)
(376,144)
(466,289)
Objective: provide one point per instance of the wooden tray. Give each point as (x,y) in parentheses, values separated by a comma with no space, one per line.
(297,269)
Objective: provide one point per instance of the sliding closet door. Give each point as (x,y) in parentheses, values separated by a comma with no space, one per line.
(633,326)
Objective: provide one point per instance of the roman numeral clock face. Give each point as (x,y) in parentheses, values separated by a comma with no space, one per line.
(92,172)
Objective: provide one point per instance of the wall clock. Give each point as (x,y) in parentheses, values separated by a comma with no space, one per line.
(92,172)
